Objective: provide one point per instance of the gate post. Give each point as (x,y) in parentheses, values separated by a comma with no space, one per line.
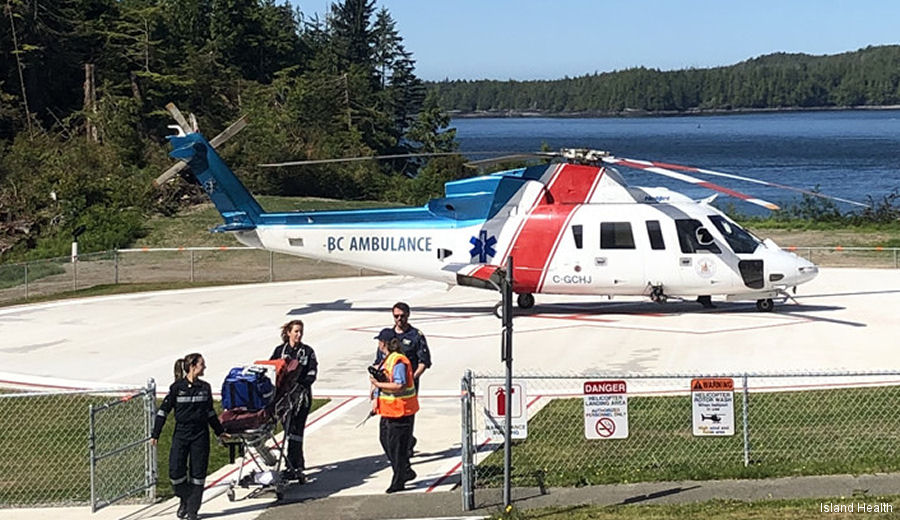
(745,412)
(150,418)
(467,476)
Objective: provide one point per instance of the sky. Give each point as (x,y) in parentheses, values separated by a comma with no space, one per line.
(531,39)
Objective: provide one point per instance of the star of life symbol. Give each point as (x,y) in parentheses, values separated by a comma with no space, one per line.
(209,185)
(483,246)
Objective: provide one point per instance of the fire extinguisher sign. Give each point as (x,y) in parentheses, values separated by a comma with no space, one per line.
(495,411)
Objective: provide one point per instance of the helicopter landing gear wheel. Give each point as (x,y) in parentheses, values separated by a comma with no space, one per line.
(706,301)
(657,295)
(525,301)
(765,305)
(230,494)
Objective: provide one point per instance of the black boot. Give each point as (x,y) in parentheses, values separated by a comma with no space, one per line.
(193,502)
(182,491)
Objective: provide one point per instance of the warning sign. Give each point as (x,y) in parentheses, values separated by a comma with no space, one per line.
(713,406)
(495,411)
(605,410)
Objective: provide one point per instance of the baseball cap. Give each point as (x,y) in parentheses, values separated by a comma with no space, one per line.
(385,335)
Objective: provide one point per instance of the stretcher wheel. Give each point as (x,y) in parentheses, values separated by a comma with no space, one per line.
(230,494)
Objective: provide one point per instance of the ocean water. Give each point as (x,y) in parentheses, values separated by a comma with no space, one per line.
(848,154)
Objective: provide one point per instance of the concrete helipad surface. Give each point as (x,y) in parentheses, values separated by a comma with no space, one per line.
(844,320)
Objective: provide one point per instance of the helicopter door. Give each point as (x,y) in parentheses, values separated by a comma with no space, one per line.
(618,263)
(699,259)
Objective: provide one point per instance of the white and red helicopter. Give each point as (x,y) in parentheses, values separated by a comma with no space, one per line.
(573,227)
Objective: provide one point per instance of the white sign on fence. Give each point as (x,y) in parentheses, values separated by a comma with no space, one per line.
(605,410)
(495,411)
(713,406)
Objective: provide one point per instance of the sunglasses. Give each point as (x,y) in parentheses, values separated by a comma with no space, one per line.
(399,316)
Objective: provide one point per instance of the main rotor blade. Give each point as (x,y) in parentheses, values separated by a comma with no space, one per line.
(502,158)
(354,159)
(656,168)
(749,179)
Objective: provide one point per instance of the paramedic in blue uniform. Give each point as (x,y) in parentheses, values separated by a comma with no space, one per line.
(292,348)
(191,398)
(412,345)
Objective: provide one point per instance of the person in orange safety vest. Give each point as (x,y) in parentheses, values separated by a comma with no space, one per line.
(396,402)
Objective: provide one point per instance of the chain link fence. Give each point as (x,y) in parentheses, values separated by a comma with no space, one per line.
(783,425)
(22,282)
(64,448)
(122,460)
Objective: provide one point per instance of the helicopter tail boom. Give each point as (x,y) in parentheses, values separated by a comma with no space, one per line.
(237,206)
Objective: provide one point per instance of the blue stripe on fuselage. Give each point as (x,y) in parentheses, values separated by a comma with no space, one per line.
(367,218)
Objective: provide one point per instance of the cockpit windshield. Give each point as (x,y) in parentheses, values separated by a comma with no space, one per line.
(737,237)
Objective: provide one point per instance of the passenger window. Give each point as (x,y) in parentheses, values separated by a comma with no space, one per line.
(577,235)
(656,238)
(693,237)
(616,235)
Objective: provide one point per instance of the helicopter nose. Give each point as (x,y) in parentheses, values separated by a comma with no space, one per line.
(805,270)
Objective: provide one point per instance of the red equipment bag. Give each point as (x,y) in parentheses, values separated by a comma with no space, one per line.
(239,420)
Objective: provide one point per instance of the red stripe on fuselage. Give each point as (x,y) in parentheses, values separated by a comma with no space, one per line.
(535,244)
(484,272)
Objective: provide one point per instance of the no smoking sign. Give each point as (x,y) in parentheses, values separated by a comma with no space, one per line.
(605,410)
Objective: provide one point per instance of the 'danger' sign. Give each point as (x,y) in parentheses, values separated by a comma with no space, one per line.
(605,410)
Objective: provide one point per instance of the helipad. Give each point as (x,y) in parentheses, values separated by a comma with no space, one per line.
(843,320)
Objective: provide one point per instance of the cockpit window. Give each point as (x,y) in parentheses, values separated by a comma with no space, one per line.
(737,237)
(693,237)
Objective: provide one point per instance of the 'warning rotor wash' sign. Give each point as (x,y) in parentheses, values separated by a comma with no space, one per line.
(605,410)
(713,406)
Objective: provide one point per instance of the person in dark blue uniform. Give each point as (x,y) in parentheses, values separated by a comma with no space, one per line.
(413,345)
(292,348)
(191,398)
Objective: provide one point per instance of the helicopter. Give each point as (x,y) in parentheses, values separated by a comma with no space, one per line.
(574,227)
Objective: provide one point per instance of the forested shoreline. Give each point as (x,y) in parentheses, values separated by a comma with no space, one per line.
(84,83)
(866,77)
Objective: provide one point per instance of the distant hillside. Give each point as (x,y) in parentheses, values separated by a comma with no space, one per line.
(867,77)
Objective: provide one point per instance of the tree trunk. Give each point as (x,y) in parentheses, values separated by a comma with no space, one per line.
(90,104)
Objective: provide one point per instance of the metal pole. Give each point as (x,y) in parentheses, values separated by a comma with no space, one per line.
(192,266)
(150,414)
(896,260)
(93,454)
(271,266)
(116,266)
(75,273)
(746,415)
(468,495)
(26,281)
(508,358)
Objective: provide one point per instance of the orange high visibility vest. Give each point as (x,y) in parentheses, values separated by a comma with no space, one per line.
(403,402)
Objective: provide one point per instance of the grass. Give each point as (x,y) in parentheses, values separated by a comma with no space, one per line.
(793,509)
(44,449)
(13,275)
(853,430)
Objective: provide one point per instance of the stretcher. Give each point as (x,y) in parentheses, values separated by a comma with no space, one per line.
(264,465)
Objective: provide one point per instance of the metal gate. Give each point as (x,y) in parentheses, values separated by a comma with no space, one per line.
(122,460)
